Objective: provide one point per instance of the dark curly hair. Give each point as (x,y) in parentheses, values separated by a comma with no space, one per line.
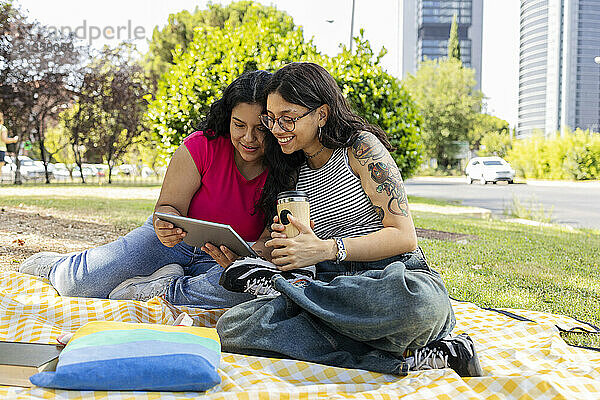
(311,86)
(249,88)
(246,88)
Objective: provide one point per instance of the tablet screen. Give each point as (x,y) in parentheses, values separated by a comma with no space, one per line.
(200,232)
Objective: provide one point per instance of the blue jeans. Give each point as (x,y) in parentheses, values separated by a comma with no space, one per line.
(357,315)
(97,271)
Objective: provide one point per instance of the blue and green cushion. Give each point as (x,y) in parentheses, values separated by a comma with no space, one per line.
(105,355)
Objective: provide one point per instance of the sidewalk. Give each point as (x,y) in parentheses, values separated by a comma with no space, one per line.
(532,182)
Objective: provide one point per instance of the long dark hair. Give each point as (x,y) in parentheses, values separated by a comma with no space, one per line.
(249,88)
(311,86)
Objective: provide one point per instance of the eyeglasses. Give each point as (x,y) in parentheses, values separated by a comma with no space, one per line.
(288,124)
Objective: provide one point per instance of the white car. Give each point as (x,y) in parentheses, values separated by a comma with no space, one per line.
(30,169)
(489,169)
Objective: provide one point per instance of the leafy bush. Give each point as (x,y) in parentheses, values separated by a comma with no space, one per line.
(574,155)
(267,39)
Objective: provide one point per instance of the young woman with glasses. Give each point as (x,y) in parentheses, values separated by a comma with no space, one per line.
(375,303)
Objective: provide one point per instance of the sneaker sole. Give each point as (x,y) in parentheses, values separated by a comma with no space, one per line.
(175,270)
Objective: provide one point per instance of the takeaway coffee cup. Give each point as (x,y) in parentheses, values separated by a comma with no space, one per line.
(293,202)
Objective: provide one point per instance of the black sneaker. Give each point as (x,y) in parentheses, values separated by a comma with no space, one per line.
(254,276)
(456,352)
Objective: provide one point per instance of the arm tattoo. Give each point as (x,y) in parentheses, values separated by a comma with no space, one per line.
(365,148)
(369,151)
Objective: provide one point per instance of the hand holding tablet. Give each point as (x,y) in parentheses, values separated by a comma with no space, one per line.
(200,232)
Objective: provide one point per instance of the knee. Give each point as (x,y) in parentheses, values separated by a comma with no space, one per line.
(232,322)
(66,288)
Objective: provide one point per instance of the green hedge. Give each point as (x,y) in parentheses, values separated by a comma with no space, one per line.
(573,156)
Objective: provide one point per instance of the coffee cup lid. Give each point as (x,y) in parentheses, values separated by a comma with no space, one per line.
(291,193)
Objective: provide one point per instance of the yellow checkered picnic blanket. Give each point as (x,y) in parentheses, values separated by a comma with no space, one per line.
(521,359)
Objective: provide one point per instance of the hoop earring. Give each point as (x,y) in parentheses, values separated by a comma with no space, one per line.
(320,135)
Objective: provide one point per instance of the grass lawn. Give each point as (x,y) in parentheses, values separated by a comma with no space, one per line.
(510,265)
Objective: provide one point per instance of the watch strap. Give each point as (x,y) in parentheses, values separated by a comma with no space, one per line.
(341,250)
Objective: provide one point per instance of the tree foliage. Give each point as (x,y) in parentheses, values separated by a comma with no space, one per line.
(265,38)
(484,125)
(177,35)
(445,94)
(107,117)
(380,99)
(496,143)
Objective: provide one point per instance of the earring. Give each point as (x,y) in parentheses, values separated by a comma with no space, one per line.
(320,135)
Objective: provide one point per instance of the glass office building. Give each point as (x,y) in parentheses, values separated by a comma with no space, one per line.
(559,82)
(426,29)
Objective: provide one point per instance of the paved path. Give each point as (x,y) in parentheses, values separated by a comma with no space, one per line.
(574,204)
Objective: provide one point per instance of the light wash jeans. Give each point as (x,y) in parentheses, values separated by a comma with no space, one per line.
(97,271)
(357,315)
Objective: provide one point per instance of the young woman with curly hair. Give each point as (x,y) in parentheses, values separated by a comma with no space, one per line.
(219,174)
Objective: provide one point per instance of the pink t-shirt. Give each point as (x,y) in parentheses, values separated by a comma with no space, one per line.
(225,196)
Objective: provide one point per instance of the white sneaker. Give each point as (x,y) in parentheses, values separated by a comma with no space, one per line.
(144,288)
(40,264)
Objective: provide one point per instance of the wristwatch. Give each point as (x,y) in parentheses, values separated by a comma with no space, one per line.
(341,250)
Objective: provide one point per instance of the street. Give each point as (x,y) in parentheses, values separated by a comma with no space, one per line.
(577,205)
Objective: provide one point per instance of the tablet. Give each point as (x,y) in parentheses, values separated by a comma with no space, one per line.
(200,232)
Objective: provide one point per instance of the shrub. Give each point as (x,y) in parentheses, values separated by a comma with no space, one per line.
(574,155)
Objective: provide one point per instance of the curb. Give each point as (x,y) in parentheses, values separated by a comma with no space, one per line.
(572,184)
(451,210)
(461,179)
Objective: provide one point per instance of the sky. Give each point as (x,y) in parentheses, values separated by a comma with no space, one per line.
(326,21)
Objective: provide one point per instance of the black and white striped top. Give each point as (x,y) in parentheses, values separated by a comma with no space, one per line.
(338,204)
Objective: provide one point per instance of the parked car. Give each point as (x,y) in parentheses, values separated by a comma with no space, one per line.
(489,169)
(30,169)
(89,171)
(126,169)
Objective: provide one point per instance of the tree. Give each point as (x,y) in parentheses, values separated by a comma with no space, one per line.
(266,38)
(496,143)
(78,121)
(36,76)
(453,42)
(147,151)
(117,98)
(449,104)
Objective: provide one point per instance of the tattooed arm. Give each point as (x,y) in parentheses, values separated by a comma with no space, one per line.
(382,182)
